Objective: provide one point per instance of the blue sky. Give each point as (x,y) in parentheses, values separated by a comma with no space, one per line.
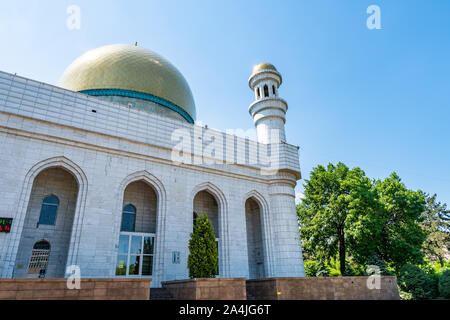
(377,99)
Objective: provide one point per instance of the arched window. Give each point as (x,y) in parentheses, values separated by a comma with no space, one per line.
(49,209)
(258,93)
(128,218)
(266,91)
(39,257)
(273,90)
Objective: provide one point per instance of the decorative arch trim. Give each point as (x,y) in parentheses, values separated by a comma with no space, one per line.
(82,181)
(213,190)
(148,178)
(259,198)
(43,240)
(216,192)
(267,229)
(161,196)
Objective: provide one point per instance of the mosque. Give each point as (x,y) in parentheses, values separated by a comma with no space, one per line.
(108,171)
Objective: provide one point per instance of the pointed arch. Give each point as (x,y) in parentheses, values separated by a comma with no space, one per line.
(266,228)
(158,187)
(216,192)
(258,197)
(213,190)
(82,181)
(147,177)
(153,182)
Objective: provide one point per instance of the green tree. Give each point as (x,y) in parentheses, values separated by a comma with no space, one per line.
(401,237)
(334,198)
(437,226)
(390,227)
(203,255)
(344,213)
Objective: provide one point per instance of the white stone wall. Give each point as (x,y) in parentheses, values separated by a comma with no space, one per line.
(204,203)
(254,239)
(143,198)
(147,106)
(58,182)
(44,126)
(286,230)
(151,134)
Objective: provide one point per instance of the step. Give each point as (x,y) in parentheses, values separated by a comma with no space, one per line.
(160,294)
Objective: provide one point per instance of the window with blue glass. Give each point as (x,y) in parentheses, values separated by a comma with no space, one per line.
(128,218)
(49,209)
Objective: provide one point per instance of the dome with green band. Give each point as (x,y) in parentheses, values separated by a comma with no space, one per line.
(131,71)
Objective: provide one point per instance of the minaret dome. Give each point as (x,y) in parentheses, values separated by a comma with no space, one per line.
(268,110)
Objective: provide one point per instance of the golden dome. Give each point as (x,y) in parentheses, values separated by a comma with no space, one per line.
(131,71)
(263,66)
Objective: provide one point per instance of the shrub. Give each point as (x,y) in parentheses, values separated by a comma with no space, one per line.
(334,268)
(435,278)
(323,271)
(375,260)
(444,284)
(311,268)
(405,295)
(415,281)
(359,270)
(428,267)
(440,269)
(203,256)
(334,273)
(349,271)
(315,269)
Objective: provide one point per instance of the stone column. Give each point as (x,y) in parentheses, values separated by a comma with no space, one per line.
(288,260)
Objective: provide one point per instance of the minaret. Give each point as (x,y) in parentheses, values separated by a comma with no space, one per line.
(269,114)
(268,110)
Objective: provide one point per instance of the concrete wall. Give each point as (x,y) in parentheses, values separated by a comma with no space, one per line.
(90,289)
(322,288)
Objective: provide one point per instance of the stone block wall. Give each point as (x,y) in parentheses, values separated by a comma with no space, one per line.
(322,288)
(90,289)
(207,289)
